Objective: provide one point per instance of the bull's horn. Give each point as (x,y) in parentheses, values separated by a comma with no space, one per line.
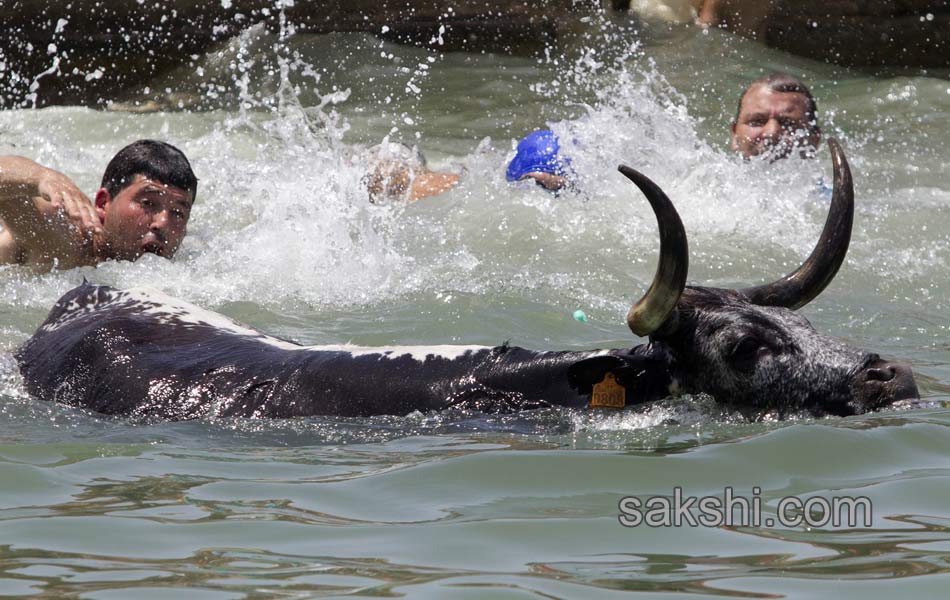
(800,287)
(653,310)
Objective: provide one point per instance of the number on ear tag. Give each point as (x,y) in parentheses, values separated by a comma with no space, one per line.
(608,393)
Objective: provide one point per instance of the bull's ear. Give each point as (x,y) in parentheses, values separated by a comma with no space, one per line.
(583,374)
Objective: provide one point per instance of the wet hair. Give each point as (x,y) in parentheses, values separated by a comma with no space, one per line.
(388,180)
(156,160)
(785,83)
(392,167)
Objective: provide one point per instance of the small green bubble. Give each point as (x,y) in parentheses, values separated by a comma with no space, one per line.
(580,316)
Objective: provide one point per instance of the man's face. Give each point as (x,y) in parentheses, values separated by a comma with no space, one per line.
(774,124)
(145,216)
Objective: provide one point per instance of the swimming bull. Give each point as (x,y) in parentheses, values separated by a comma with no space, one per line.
(139,352)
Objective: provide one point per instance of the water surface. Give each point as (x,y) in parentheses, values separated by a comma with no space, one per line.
(461,504)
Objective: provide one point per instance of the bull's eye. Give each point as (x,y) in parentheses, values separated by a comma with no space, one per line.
(746,352)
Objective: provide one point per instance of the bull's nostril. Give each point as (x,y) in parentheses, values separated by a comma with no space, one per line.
(883,374)
(883,382)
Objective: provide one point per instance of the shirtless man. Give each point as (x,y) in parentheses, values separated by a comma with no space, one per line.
(777,116)
(142,206)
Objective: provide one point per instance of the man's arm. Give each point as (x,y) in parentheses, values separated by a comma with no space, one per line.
(44,214)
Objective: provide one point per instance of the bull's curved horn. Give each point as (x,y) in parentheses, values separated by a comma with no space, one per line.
(658,304)
(800,287)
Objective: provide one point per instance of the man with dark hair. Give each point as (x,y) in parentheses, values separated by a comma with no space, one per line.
(143,205)
(777,115)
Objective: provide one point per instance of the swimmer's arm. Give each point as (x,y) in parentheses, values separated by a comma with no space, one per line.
(42,209)
(24,225)
(433,184)
(548,180)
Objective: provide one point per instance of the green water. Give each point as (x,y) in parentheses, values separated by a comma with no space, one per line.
(461,505)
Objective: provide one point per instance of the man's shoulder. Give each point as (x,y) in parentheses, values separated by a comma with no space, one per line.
(45,252)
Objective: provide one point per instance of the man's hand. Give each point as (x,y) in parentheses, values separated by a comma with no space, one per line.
(68,201)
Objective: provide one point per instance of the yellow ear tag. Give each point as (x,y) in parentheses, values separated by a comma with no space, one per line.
(608,393)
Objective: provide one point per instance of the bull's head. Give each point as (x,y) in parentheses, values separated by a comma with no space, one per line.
(747,346)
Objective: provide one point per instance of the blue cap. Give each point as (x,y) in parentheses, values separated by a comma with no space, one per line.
(537,153)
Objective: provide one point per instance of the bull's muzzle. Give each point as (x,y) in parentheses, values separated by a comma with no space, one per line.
(882,383)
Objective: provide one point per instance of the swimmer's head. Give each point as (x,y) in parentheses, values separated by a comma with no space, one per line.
(392,168)
(777,117)
(145,200)
(538,157)
(400,172)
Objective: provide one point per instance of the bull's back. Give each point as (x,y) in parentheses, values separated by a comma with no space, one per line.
(143,353)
